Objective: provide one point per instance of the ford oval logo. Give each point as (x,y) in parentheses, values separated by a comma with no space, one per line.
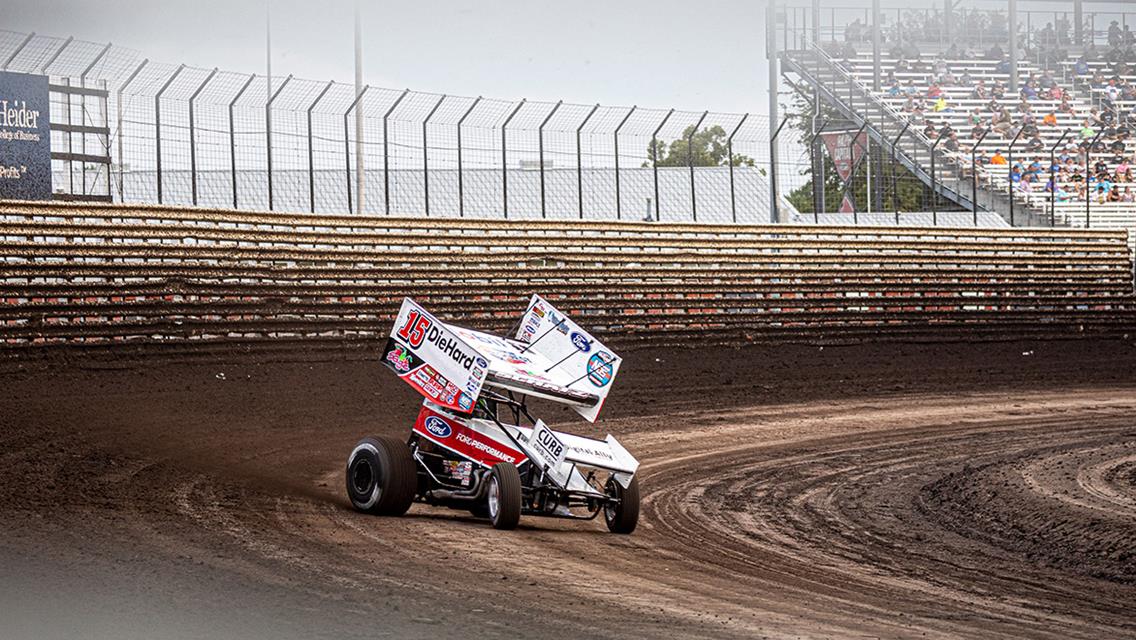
(438,427)
(581,342)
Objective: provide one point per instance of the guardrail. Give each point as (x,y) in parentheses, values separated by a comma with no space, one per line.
(113,274)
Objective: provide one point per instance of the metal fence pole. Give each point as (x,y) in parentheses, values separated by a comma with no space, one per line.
(1053,178)
(21,48)
(386,153)
(818,180)
(852,169)
(311,149)
(233,135)
(618,209)
(268,134)
(461,189)
(730,160)
(158,126)
(974,174)
(347,143)
(83,107)
(934,181)
(505,159)
(121,164)
(580,162)
(655,159)
(55,56)
(774,212)
(540,152)
(192,137)
(690,164)
(894,176)
(1089,196)
(1010,172)
(426,154)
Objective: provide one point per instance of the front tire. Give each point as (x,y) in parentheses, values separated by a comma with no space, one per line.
(503,499)
(381,476)
(622,516)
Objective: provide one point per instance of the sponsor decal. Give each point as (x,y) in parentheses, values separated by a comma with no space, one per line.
(438,427)
(25,137)
(581,342)
(400,358)
(465,402)
(485,447)
(420,328)
(481,362)
(538,309)
(600,370)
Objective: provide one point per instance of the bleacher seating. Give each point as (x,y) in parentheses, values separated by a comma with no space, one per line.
(901,78)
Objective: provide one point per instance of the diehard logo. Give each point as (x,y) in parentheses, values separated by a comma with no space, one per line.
(438,427)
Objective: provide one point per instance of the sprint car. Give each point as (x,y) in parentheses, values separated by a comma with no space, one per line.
(474,445)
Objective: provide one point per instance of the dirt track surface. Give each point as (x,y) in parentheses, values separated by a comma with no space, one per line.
(895,491)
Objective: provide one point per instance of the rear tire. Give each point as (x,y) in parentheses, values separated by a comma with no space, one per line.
(381,476)
(623,516)
(503,500)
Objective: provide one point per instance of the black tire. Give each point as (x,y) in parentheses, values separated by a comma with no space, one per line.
(623,516)
(381,476)
(503,496)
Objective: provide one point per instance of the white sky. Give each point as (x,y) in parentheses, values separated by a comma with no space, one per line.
(686,54)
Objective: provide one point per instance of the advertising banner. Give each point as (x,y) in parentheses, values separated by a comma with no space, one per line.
(844,154)
(25,137)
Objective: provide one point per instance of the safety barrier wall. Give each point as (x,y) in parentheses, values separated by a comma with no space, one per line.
(112,274)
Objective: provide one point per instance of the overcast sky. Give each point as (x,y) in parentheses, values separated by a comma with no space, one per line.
(687,54)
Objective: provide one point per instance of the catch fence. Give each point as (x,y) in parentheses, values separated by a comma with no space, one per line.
(183,135)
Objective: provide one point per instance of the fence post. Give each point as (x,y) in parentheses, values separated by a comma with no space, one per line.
(83,105)
(580,162)
(55,56)
(618,210)
(934,182)
(974,174)
(1089,196)
(311,150)
(690,165)
(852,170)
(1053,178)
(386,153)
(121,88)
(192,137)
(233,136)
(655,159)
(540,152)
(461,190)
(505,159)
(347,142)
(774,213)
(1010,171)
(20,48)
(730,159)
(894,176)
(268,133)
(158,126)
(426,155)
(818,196)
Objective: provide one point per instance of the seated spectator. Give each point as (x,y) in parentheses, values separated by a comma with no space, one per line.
(1050,120)
(980,92)
(995,53)
(934,91)
(1126,195)
(1065,106)
(941,105)
(1087,130)
(998,158)
(1035,144)
(1081,67)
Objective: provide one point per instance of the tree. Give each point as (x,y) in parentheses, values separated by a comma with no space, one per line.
(708,148)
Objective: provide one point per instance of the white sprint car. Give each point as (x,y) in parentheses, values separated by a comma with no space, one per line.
(475,446)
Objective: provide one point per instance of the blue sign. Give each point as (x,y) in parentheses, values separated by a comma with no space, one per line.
(25,137)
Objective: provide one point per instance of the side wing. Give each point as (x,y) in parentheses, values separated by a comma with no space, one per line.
(433,359)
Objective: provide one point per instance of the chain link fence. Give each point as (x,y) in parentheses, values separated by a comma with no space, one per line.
(190,136)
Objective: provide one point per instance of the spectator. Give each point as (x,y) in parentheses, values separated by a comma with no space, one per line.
(1050,119)
(998,158)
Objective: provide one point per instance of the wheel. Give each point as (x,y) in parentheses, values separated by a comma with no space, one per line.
(381,476)
(622,517)
(504,496)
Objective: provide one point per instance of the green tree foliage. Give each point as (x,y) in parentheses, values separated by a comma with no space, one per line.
(707,148)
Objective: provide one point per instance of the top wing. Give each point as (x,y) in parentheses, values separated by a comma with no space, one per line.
(575,358)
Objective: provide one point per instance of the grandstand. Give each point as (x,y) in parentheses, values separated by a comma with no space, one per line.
(1046,137)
